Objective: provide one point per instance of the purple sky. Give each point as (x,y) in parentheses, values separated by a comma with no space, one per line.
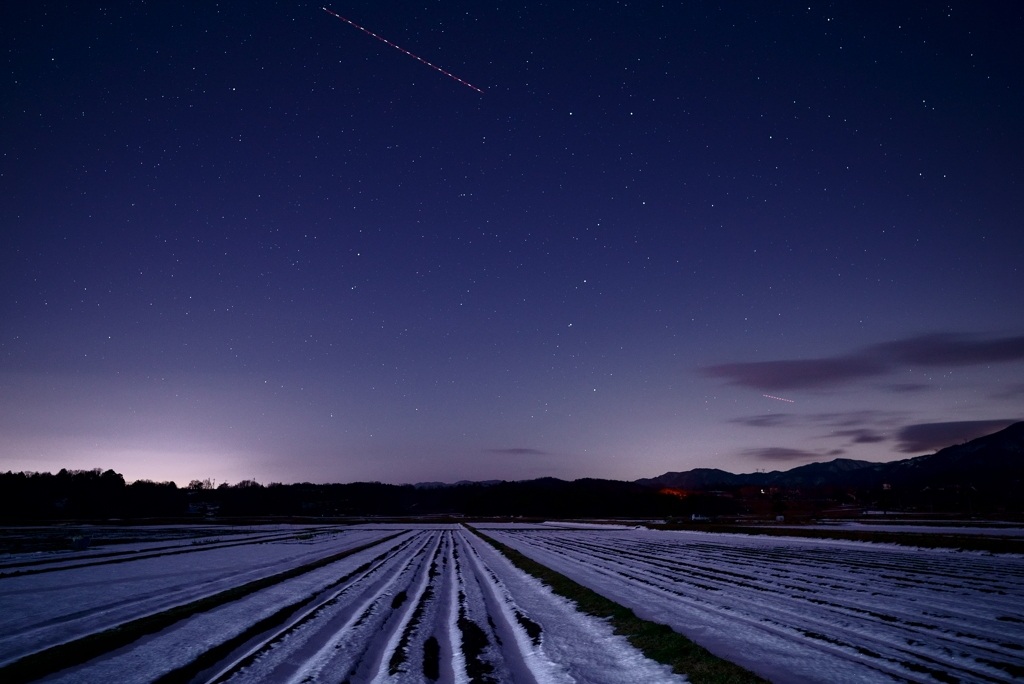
(250,241)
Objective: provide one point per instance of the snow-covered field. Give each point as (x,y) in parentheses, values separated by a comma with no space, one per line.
(434,603)
(423,605)
(1007,530)
(799,610)
(64,600)
(158,539)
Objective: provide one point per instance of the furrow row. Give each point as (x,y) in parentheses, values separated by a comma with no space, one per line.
(912,632)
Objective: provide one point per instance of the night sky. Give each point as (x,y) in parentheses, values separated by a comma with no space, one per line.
(248,240)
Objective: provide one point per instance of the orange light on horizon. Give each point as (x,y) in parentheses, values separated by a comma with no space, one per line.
(679,493)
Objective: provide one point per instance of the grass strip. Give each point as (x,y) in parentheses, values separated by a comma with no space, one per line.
(657,641)
(56,658)
(927,540)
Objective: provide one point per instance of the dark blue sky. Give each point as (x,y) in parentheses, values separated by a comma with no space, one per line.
(248,240)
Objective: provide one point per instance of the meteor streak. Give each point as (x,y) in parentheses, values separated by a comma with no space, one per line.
(402,49)
(779,398)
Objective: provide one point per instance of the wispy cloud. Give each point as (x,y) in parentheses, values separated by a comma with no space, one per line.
(809,374)
(942,350)
(851,420)
(855,419)
(781,454)
(861,436)
(931,436)
(870,427)
(520,452)
(766,419)
(947,350)
(1010,392)
(858,427)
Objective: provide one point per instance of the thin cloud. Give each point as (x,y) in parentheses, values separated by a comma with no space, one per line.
(938,350)
(932,436)
(779,454)
(520,452)
(1011,392)
(809,374)
(948,350)
(850,420)
(765,420)
(854,419)
(861,436)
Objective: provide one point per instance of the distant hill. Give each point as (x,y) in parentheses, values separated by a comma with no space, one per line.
(441,485)
(996,460)
(810,475)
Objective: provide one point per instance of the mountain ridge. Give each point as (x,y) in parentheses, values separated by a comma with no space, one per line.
(989,459)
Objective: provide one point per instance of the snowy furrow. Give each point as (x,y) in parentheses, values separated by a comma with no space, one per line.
(764,648)
(793,552)
(951,566)
(836,622)
(336,606)
(179,645)
(489,656)
(856,612)
(47,609)
(430,606)
(996,530)
(560,644)
(897,607)
(439,604)
(986,639)
(32,562)
(933,585)
(899,601)
(446,614)
(429,647)
(835,574)
(355,650)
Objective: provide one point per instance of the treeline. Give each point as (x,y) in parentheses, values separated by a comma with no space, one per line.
(85,494)
(96,494)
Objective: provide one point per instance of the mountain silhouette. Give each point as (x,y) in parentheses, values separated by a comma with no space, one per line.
(992,461)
